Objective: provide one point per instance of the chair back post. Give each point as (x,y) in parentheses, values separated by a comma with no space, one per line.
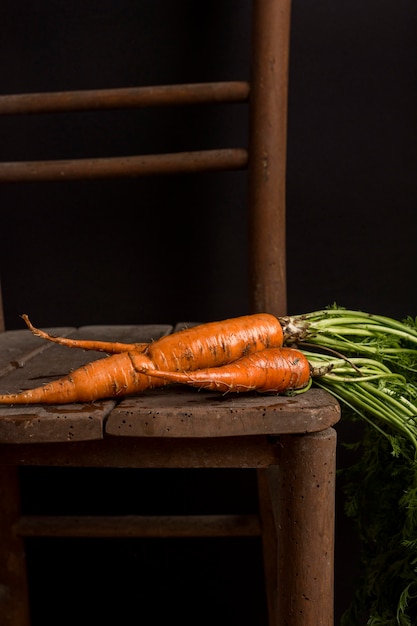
(2,324)
(267,155)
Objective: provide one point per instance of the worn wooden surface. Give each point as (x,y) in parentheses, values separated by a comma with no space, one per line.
(180,412)
(27,361)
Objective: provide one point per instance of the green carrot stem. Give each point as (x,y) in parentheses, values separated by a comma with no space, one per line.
(334,312)
(364,378)
(367,404)
(346,364)
(355,406)
(389,399)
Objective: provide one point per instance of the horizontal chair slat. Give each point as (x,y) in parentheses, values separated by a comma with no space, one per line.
(139,526)
(124,98)
(124,167)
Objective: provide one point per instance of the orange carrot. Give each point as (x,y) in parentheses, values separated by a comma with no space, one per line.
(270,370)
(207,345)
(109,377)
(215,343)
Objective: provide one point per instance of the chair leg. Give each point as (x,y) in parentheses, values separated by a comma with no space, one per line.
(305,490)
(14,602)
(269,542)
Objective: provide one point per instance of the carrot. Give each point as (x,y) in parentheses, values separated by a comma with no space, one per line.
(109,377)
(207,345)
(215,343)
(271,370)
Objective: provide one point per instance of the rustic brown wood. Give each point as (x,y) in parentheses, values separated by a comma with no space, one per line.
(193,413)
(14,603)
(2,324)
(19,346)
(267,149)
(224,159)
(124,98)
(305,527)
(133,333)
(139,526)
(269,541)
(150,452)
(44,424)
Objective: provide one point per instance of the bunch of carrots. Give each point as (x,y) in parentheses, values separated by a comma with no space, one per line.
(258,352)
(234,355)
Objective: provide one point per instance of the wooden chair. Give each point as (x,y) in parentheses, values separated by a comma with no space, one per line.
(289,441)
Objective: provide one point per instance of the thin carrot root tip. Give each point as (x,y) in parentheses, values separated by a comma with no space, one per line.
(29,324)
(110,347)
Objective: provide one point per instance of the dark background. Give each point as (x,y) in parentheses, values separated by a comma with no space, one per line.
(163,250)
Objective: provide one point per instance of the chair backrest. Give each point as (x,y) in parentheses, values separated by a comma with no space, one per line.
(264,157)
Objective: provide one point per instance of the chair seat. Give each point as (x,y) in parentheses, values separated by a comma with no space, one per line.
(173,412)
